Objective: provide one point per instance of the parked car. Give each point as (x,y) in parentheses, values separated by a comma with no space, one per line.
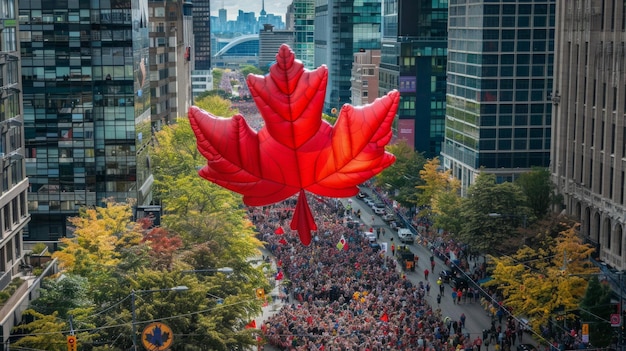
(389,217)
(459,283)
(369,201)
(446,275)
(362,195)
(379,211)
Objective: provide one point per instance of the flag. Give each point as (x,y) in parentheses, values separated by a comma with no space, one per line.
(342,244)
(282,241)
(279,275)
(251,325)
(279,231)
(384,317)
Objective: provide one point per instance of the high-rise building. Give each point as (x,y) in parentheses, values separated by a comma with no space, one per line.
(170,59)
(270,40)
(365,77)
(202,34)
(14,214)
(498,111)
(86,90)
(343,27)
(589,129)
(413,61)
(303,17)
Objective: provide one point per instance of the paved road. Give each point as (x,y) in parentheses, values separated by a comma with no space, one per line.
(477,318)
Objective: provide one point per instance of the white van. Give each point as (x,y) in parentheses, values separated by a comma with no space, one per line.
(406,236)
(371,236)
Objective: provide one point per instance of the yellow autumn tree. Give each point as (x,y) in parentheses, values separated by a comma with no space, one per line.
(542,283)
(436,181)
(99,234)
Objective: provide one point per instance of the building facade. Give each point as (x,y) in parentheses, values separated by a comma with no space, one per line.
(14,215)
(365,77)
(303,17)
(414,56)
(170,60)
(86,92)
(498,108)
(201,52)
(342,28)
(589,129)
(270,40)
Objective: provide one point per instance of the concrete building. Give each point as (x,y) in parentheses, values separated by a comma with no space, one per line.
(170,60)
(365,77)
(270,41)
(589,128)
(86,92)
(498,110)
(342,28)
(413,61)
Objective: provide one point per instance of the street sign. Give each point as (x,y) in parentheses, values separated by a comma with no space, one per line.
(157,337)
(616,320)
(71,343)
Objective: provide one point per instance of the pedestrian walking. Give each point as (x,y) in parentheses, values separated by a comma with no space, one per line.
(462,320)
(454,296)
(478,342)
(459,295)
(438,299)
(432,266)
(426,273)
(393,249)
(428,288)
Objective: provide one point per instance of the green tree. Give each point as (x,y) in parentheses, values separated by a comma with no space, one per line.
(34,336)
(62,295)
(403,175)
(216,105)
(538,189)
(491,212)
(249,69)
(596,309)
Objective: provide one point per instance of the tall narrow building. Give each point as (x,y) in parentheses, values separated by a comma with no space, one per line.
(342,28)
(170,56)
(86,108)
(413,61)
(589,128)
(303,17)
(202,35)
(498,108)
(14,214)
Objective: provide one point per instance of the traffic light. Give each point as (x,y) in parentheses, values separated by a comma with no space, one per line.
(260,293)
(71,343)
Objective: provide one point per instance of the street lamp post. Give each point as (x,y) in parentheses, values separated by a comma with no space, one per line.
(225,270)
(133,293)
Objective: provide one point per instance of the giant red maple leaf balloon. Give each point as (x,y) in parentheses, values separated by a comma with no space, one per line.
(296,150)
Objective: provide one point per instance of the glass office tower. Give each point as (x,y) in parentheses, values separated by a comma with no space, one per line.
(342,28)
(498,108)
(413,61)
(86,107)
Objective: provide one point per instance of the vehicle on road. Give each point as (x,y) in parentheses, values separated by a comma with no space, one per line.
(389,217)
(368,201)
(379,211)
(370,236)
(362,195)
(459,283)
(406,258)
(446,275)
(526,347)
(406,236)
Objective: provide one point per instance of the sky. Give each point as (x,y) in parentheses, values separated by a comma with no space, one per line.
(277,7)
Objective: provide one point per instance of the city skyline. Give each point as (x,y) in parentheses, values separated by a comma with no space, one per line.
(277,7)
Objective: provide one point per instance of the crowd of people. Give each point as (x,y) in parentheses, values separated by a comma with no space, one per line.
(350,297)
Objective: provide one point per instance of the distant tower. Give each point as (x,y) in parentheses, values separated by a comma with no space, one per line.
(263,13)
